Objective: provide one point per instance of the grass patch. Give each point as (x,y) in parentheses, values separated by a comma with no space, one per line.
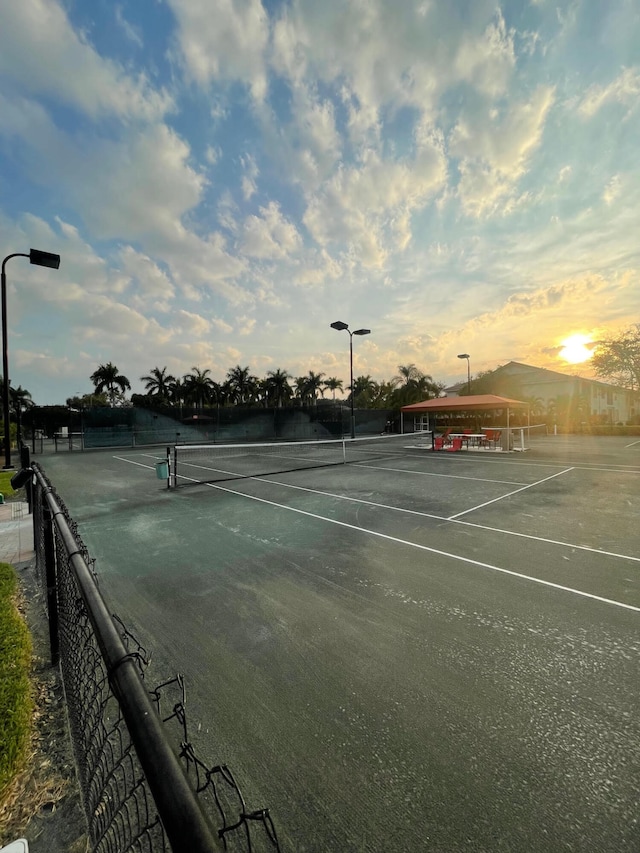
(5,484)
(15,690)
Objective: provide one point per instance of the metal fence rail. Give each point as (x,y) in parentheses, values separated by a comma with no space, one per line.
(138,794)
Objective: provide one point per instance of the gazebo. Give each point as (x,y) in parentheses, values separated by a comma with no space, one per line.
(470,403)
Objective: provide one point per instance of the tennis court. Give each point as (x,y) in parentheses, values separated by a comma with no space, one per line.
(416,651)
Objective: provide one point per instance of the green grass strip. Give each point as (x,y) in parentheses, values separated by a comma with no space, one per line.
(5,483)
(15,691)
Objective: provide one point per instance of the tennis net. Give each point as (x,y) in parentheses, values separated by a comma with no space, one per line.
(213,463)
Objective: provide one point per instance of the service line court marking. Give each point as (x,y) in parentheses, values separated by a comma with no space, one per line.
(431,474)
(509,494)
(427,548)
(467,560)
(407,511)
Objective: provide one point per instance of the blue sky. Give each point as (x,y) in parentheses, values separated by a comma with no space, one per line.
(225,178)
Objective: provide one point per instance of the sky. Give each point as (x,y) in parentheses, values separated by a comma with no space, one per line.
(225,178)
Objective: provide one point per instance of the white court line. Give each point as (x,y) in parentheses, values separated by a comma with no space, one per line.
(417,512)
(509,494)
(452,520)
(131,462)
(418,547)
(633,444)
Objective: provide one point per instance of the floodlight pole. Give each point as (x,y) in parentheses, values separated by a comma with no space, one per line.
(340,326)
(41,259)
(467,356)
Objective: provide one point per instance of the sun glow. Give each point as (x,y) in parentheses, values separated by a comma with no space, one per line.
(574,349)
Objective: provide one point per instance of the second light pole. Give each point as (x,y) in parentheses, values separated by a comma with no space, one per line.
(340,326)
(467,356)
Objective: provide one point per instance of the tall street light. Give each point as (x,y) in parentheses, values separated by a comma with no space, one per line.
(340,326)
(466,355)
(41,259)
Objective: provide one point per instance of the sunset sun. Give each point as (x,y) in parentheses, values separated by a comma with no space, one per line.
(575,349)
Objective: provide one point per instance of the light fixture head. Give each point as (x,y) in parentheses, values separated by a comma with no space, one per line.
(362,332)
(44,259)
(464,355)
(339,325)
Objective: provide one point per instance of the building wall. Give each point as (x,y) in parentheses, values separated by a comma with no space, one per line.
(599,399)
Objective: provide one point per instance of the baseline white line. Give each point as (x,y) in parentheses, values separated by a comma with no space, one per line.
(419,547)
(633,444)
(509,494)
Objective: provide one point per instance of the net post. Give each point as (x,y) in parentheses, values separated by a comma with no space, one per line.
(175,467)
(168,467)
(344,450)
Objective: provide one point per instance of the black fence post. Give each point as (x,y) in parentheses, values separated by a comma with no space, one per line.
(52,587)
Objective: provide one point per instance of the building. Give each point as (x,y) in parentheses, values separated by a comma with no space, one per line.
(568,399)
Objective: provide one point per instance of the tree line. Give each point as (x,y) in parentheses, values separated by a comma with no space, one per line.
(616,359)
(242,388)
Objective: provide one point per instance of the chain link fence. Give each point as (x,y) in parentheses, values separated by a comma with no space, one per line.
(139,792)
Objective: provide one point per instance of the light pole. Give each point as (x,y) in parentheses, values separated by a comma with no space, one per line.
(340,326)
(466,355)
(41,259)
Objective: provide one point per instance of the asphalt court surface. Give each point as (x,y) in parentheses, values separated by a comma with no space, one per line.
(423,652)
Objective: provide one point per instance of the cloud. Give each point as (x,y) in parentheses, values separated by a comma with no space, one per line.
(138,187)
(612,190)
(624,90)
(138,183)
(68,68)
(270,235)
(369,207)
(155,288)
(227,43)
(251,172)
(486,62)
(131,32)
(186,323)
(494,150)
(317,268)
(380,53)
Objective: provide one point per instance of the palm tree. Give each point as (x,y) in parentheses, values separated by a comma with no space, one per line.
(158,382)
(364,389)
(302,393)
(242,385)
(408,373)
(198,386)
(333,385)
(20,399)
(177,391)
(277,387)
(382,396)
(106,378)
(314,385)
(416,386)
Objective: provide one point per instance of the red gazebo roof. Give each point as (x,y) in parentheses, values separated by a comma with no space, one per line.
(473,402)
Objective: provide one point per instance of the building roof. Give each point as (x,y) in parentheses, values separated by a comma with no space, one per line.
(518,368)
